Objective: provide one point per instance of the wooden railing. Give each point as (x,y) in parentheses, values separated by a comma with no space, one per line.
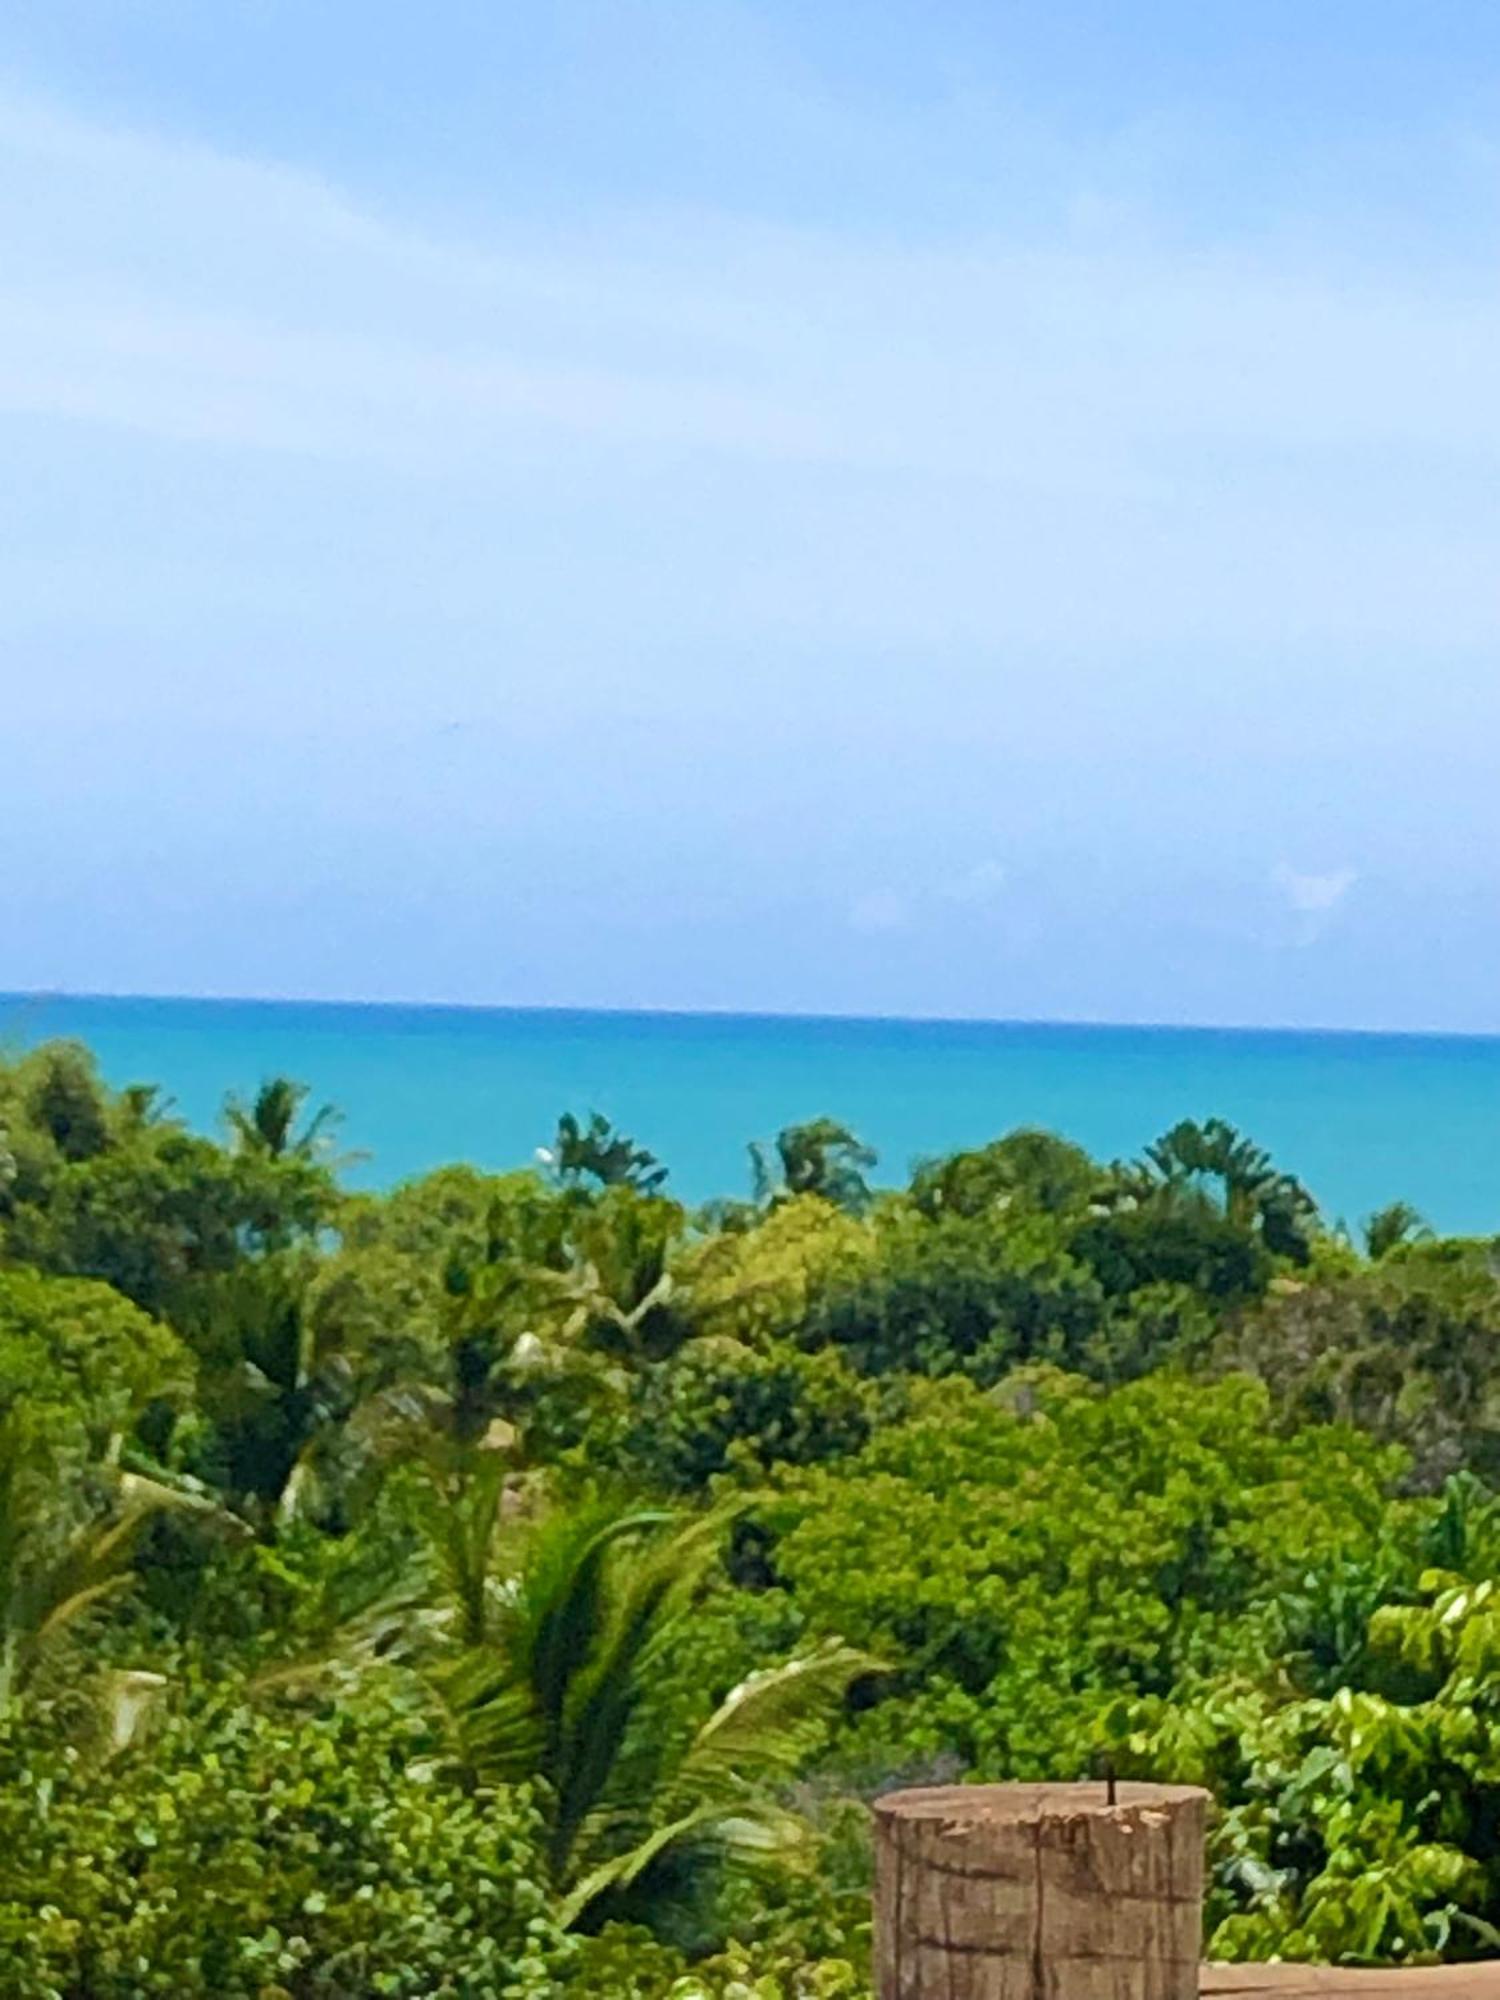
(1328,1982)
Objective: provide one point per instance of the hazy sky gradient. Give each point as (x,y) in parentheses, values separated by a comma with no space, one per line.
(946,508)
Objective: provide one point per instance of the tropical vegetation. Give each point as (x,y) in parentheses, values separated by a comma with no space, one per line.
(516,1584)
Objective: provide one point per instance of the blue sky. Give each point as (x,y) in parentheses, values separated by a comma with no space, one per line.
(956,508)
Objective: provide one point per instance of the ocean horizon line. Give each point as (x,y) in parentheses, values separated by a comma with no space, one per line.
(801,1017)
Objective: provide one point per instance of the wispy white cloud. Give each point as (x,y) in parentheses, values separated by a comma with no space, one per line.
(195,294)
(1312,898)
(1314,894)
(176,290)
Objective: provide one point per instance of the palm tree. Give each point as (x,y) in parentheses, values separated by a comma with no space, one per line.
(279,1387)
(616,1294)
(601,1152)
(1391,1227)
(555,1682)
(821,1157)
(143,1106)
(268,1124)
(1214,1164)
(549,1324)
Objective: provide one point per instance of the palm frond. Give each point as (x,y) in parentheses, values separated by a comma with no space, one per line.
(749,1836)
(623,1870)
(505,1699)
(717,1795)
(463,1521)
(763,1730)
(558,1617)
(611,1773)
(602,1702)
(56,1610)
(489,1719)
(561,1689)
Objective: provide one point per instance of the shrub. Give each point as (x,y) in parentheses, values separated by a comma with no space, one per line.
(252,1853)
(719,1405)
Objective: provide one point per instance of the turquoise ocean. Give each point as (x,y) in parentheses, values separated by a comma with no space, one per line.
(1362,1118)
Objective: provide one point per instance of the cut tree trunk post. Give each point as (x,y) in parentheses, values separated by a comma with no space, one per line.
(1039,1892)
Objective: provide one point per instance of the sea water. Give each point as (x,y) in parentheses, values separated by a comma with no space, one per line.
(1361,1118)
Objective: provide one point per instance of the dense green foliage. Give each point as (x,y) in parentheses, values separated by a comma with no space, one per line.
(518,1584)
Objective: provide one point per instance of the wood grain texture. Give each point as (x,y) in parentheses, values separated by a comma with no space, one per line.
(1039,1892)
(1320,1982)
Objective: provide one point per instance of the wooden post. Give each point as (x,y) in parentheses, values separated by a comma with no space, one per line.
(1039,1892)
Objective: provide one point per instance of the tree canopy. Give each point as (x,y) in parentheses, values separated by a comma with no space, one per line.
(516,1584)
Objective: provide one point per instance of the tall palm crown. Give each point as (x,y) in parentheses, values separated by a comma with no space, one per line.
(821,1157)
(268,1124)
(1215,1163)
(559,1680)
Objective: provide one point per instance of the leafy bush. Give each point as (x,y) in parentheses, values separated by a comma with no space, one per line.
(1359,1827)
(1407,1349)
(82,1349)
(629,1964)
(759,1283)
(252,1853)
(1030,1556)
(720,1406)
(960,1294)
